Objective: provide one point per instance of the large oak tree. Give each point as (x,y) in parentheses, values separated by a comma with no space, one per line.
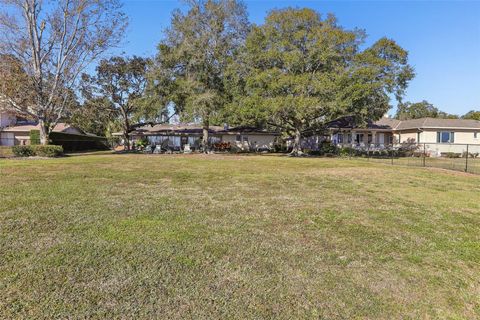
(299,71)
(119,84)
(194,55)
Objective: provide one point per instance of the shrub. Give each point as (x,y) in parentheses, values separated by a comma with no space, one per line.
(451,154)
(34,137)
(37,150)
(409,147)
(346,152)
(469,154)
(48,151)
(23,151)
(328,148)
(142,143)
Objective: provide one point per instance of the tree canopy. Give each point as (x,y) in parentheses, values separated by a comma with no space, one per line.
(423,109)
(298,71)
(193,58)
(472,115)
(119,84)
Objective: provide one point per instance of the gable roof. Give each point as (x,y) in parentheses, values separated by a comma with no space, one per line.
(425,123)
(60,127)
(348,122)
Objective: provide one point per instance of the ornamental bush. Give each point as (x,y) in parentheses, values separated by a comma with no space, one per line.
(23,151)
(34,137)
(48,151)
(37,150)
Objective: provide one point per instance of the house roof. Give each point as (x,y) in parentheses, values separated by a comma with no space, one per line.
(394,124)
(183,128)
(424,123)
(349,122)
(60,127)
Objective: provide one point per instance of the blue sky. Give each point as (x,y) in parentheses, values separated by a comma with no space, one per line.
(442,37)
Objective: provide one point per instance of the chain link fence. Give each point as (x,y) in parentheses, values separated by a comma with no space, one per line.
(459,157)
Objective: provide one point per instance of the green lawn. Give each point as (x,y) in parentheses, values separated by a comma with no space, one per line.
(245,237)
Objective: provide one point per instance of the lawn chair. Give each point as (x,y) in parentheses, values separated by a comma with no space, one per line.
(148,149)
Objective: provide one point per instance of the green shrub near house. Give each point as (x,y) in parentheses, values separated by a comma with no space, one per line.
(23,151)
(34,137)
(49,151)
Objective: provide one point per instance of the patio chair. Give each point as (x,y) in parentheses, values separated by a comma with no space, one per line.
(148,149)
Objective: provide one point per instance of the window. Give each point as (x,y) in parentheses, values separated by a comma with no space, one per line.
(418,136)
(359,138)
(369,138)
(245,138)
(340,138)
(238,138)
(445,137)
(475,135)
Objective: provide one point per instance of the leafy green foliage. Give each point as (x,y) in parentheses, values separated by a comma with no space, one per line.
(118,88)
(23,151)
(298,72)
(34,137)
(191,61)
(37,150)
(95,115)
(423,109)
(472,115)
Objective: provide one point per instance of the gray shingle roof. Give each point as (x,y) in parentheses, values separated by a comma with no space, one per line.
(438,123)
(422,123)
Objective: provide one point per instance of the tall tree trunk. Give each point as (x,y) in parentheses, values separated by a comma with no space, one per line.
(297,149)
(126,133)
(44,132)
(206,146)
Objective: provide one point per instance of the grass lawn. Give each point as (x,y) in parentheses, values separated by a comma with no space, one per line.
(472,164)
(245,237)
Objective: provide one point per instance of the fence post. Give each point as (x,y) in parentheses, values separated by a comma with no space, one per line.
(424,154)
(466,160)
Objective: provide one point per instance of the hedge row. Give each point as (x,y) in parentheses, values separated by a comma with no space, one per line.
(37,150)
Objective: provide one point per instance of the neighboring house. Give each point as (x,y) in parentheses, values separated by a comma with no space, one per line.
(177,136)
(16,131)
(6,119)
(438,135)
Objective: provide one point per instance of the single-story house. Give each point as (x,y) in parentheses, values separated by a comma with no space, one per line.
(438,136)
(20,134)
(177,136)
(16,131)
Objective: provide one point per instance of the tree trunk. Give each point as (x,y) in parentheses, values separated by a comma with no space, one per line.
(206,146)
(297,149)
(126,134)
(44,132)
